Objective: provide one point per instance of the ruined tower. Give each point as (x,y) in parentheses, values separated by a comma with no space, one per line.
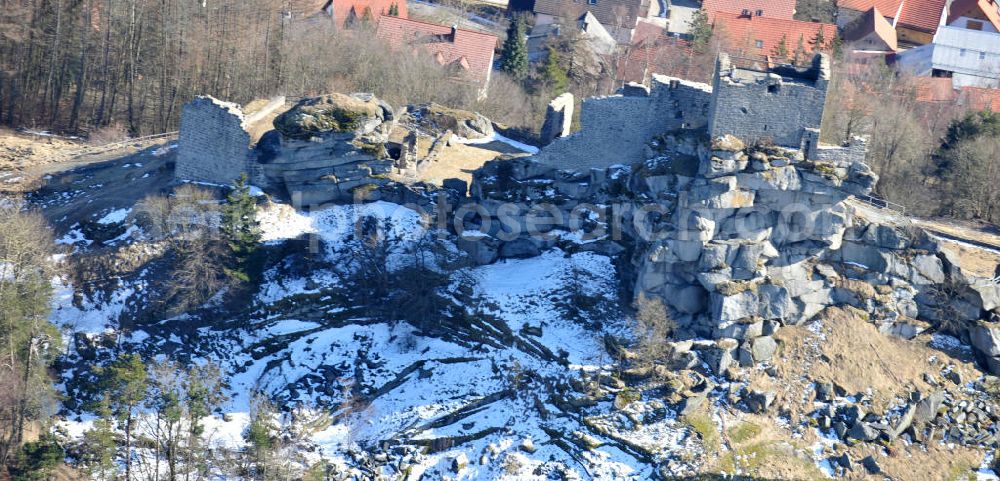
(777,103)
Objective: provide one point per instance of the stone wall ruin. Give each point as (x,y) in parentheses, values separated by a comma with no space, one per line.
(214,144)
(558,118)
(615,129)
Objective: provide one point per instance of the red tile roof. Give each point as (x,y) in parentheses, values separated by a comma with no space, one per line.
(347,10)
(887,7)
(742,34)
(976,98)
(772,8)
(646,32)
(934,89)
(980,8)
(470,52)
(922,15)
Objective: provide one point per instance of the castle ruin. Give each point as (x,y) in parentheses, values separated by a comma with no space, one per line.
(779,105)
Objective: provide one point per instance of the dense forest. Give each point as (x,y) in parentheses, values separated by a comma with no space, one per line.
(129,65)
(76,63)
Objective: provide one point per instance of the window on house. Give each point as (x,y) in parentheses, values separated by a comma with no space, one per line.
(973,25)
(982,55)
(773,89)
(760,44)
(961,53)
(592,2)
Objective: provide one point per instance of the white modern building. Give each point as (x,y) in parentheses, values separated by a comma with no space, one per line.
(971,58)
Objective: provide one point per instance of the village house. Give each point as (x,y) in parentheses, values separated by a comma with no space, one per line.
(971,58)
(780,9)
(745,34)
(618,17)
(597,38)
(914,21)
(982,15)
(467,54)
(653,51)
(871,34)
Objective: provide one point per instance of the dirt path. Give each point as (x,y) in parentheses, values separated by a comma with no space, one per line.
(977,246)
(26,159)
(71,193)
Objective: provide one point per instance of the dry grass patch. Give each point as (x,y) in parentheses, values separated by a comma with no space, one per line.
(850,352)
(915,463)
(763,450)
(457,161)
(978,262)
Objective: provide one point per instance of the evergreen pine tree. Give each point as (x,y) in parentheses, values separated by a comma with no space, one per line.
(98,447)
(38,459)
(553,75)
(514,59)
(781,49)
(701,31)
(837,46)
(261,438)
(203,393)
(800,51)
(818,42)
(240,229)
(125,384)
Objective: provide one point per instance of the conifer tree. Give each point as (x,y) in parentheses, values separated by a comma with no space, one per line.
(514,59)
(38,459)
(701,31)
(125,384)
(818,42)
(240,229)
(800,51)
(553,75)
(98,454)
(781,49)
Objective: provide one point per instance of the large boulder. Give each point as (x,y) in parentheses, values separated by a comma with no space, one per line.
(438,118)
(763,348)
(344,116)
(986,338)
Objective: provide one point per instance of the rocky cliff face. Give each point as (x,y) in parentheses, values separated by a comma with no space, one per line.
(741,240)
(325,148)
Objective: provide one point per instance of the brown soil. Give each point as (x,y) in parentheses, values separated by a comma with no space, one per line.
(26,159)
(972,260)
(849,351)
(855,356)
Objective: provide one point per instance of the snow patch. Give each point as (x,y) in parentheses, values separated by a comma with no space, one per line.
(114,217)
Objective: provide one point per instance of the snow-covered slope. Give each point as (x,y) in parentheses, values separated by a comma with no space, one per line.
(515,385)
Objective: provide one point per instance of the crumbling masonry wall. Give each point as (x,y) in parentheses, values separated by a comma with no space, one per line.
(616,129)
(777,105)
(558,118)
(214,144)
(855,151)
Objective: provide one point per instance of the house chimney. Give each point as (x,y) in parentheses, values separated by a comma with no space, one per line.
(454,30)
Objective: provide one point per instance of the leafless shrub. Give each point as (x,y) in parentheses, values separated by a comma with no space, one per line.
(190,212)
(116,132)
(653,326)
